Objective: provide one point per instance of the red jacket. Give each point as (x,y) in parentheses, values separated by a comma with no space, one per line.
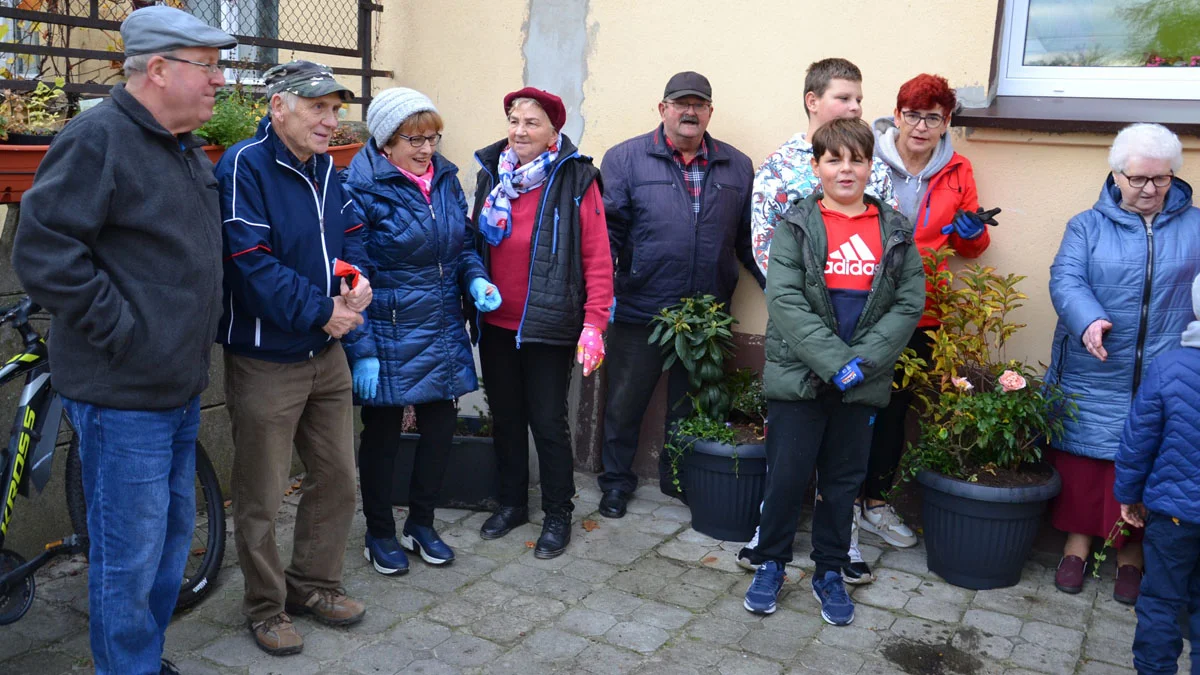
(951,189)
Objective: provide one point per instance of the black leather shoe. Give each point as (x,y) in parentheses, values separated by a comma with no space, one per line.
(612,504)
(556,534)
(503,521)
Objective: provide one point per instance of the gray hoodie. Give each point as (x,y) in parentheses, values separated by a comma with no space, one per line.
(909,188)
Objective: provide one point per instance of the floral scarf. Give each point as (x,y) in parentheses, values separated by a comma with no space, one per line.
(494,218)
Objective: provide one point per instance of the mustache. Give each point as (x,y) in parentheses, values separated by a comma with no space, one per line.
(689,118)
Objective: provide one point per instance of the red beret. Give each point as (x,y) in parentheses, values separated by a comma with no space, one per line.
(552,104)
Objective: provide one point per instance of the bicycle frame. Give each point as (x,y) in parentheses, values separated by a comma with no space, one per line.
(26,461)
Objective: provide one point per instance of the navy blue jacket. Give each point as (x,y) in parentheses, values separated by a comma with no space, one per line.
(1158,463)
(663,250)
(1110,267)
(285,223)
(422,262)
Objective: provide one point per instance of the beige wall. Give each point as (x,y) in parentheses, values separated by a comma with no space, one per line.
(755,54)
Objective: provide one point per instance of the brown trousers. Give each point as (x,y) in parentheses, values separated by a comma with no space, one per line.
(272,406)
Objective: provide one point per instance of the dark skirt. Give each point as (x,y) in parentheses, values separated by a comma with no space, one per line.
(1086,504)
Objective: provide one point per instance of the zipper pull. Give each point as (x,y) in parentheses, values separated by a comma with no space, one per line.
(393,316)
(440,273)
(431,213)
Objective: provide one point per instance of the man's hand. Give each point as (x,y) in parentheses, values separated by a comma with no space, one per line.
(359,297)
(1134,514)
(1093,338)
(343,319)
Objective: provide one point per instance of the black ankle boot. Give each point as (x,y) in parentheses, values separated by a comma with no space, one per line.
(503,521)
(556,534)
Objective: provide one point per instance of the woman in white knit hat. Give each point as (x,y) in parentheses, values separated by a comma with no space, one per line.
(413,348)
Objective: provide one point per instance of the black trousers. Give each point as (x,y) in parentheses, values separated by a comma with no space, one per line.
(377,462)
(527,391)
(633,367)
(887,446)
(834,438)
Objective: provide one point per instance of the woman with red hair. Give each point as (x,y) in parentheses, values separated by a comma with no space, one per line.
(935,187)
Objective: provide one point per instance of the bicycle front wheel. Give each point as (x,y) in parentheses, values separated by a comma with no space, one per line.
(207,548)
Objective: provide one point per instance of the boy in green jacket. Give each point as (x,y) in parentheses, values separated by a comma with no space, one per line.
(845,290)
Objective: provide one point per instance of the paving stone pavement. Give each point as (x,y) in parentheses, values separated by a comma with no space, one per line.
(643,594)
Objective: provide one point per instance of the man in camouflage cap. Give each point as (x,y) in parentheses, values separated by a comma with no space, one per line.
(288,225)
(120,240)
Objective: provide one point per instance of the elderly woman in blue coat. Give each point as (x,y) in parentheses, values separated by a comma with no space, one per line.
(413,348)
(1121,284)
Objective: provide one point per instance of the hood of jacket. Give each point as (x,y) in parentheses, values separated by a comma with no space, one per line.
(1178,201)
(908,187)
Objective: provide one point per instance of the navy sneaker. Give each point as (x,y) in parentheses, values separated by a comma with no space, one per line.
(836,606)
(424,540)
(764,590)
(385,555)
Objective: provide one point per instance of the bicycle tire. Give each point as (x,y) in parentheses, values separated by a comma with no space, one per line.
(197,584)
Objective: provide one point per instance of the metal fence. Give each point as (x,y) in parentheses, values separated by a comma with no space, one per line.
(79,40)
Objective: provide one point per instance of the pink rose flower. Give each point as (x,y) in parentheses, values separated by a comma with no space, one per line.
(962,383)
(1010,380)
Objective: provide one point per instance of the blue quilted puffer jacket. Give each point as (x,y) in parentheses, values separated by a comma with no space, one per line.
(421,263)
(1159,460)
(1111,266)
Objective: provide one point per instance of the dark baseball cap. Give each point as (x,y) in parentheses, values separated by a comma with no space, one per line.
(688,83)
(304,78)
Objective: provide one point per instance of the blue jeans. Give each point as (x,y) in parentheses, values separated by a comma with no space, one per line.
(139,471)
(1171,582)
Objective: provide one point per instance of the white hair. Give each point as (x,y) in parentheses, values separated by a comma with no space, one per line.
(289,99)
(1147,141)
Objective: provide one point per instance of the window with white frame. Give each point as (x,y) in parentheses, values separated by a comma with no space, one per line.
(1146,49)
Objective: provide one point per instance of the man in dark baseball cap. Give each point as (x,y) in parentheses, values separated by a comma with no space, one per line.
(120,240)
(688,83)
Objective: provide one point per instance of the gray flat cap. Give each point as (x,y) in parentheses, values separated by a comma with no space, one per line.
(156,29)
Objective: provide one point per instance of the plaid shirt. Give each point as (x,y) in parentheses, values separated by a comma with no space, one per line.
(693,171)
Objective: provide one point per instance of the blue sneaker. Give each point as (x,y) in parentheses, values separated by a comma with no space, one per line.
(836,607)
(764,590)
(385,555)
(425,540)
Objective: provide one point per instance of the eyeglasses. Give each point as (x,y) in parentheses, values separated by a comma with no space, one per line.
(913,118)
(212,68)
(418,141)
(1140,181)
(681,107)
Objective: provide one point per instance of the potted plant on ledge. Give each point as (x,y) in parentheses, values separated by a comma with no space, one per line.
(717,452)
(29,120)
(983,421)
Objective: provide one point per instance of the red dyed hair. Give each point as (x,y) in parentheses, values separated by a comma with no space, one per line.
(926,91)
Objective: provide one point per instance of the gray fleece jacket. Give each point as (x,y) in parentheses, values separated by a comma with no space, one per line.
(120,240)
(909,188)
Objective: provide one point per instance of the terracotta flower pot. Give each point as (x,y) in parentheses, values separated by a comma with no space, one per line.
(342,154)
(214,152)
(18,164)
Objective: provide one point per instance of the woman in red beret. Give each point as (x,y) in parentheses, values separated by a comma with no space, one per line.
(544,241)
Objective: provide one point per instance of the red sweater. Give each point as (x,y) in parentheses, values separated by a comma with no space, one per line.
(509,265)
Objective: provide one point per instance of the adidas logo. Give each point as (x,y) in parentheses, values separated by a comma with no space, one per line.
(852,258)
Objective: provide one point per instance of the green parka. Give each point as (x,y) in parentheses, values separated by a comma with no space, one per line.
(804,351)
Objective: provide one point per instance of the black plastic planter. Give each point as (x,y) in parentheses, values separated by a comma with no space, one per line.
(472,479)
(978,536)
(724,487)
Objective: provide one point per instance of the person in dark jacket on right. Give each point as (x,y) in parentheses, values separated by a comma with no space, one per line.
(1157,478)
(678,207)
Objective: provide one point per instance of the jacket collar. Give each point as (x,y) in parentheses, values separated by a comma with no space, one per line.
(142,117)
(806,212)
(370,168)
(318,164)
(1178,201)
(489,157)
(659,148)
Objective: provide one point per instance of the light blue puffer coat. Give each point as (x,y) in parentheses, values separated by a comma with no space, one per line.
(1111,266)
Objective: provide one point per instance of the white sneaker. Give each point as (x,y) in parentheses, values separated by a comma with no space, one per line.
(855,554)
(883,521)
(857,572)
(745,563)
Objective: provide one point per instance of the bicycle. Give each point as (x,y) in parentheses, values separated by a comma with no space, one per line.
(25,468)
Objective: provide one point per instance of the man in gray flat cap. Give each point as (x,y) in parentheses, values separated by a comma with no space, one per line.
(289,227)
(120,239)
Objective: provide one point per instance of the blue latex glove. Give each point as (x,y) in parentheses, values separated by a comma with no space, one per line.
(487,296)
(969,225)
(366,378)
(850,375)
(612,310)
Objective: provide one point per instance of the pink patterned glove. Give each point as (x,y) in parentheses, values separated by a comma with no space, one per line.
(590,350)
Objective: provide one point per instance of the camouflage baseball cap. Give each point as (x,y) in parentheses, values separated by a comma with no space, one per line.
(304,78)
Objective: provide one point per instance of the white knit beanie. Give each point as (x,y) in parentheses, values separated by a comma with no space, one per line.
(390,108)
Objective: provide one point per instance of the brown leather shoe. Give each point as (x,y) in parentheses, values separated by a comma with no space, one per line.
(329,606)
(1069,576)
(1128,585)
(277,636)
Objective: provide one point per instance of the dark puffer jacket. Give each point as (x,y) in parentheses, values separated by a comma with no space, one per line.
(1158,463)
(554,309)
(422,261)
(664,250)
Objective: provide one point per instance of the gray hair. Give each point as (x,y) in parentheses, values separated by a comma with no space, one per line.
(1147,141)
(289,99)
(522,101)
(137,63)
